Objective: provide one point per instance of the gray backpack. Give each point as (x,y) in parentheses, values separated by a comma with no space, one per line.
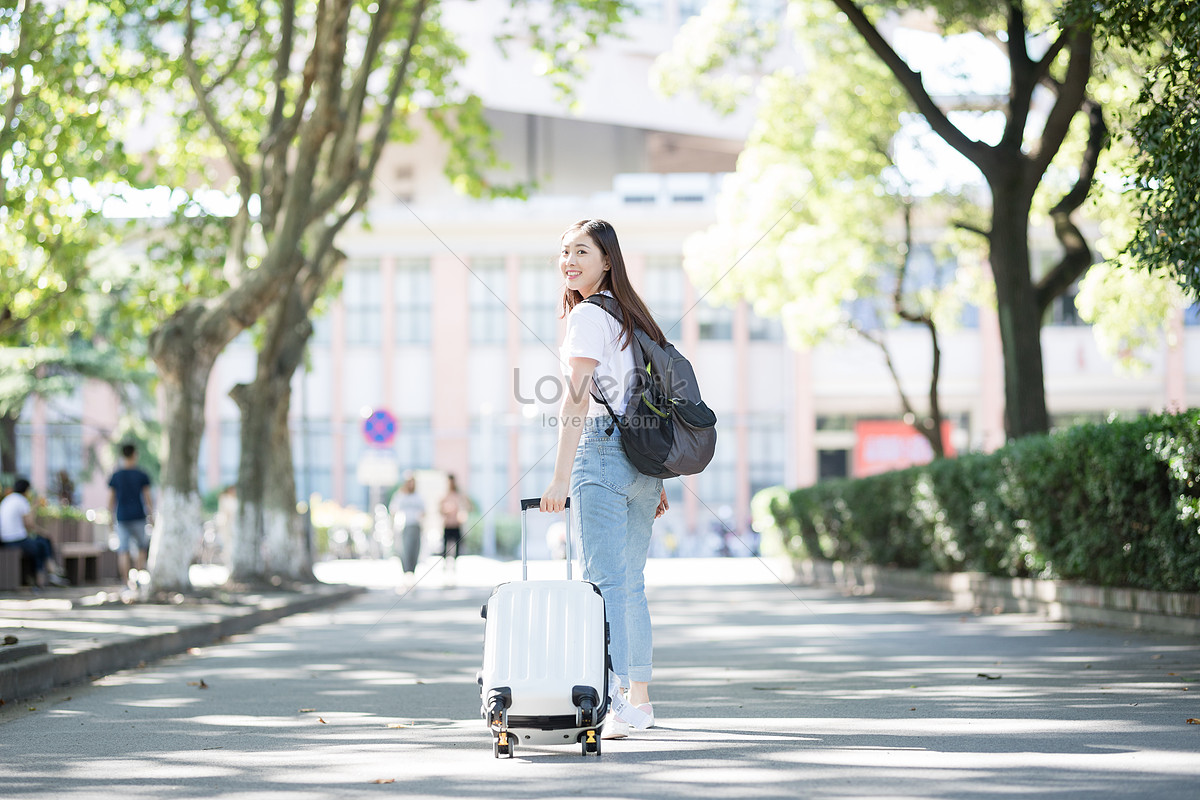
(666,429)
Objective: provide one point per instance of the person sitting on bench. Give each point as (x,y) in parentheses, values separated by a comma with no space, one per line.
(17,521)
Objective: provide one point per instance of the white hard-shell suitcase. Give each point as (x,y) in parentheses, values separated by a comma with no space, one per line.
(545,660)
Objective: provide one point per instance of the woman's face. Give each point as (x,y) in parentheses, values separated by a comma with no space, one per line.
(581,263)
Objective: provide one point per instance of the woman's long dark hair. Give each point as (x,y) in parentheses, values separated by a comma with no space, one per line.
(616,279)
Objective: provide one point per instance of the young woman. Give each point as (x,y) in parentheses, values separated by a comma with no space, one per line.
(455,507)
(613,505)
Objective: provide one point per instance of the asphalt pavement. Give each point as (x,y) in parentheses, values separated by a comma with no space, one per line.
(762,690)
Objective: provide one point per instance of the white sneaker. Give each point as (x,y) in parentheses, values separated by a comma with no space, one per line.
(615,728)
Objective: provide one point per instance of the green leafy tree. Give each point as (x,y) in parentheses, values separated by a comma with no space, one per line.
(1018,166)
(821,220)
(66,83)
(295,101)
(1160,126)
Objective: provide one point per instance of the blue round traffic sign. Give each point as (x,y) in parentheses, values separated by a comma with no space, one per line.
(380,428)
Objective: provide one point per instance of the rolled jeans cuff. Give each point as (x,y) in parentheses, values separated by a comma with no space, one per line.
(641,674)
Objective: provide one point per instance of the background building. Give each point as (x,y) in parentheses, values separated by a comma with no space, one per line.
(448,317)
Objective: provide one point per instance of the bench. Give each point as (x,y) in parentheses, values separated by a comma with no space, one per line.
(10,568)
(87,562)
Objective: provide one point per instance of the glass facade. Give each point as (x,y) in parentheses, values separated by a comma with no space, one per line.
(488,295)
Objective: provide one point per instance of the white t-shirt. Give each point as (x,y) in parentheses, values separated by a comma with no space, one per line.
(12,517)
(594,333)
(407,509)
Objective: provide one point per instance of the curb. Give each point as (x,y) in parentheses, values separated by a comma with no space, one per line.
(41,673)
(1058,601)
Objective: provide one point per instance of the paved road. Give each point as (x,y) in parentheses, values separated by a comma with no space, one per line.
(762,691)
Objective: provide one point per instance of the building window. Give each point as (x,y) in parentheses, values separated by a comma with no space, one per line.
(765,329)
(833,464)
(489,301)
(663,282)
(488,481)
(768,447)
(230,454)
(360,296)
(536,447)
(312,455)
(717,484)
(1062,309)
(413,298)
(541,301)
(414,443)
(716,322)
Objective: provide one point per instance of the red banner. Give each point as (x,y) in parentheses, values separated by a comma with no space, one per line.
(886,444)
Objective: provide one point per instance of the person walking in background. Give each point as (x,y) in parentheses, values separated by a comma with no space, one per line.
(17,523)
(614,505)
(455,507)
(131,509)
(408,509)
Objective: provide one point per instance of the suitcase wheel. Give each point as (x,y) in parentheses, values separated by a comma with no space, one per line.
(590,739)
(502,745)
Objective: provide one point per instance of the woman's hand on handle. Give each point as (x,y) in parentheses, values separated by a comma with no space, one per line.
(554,499)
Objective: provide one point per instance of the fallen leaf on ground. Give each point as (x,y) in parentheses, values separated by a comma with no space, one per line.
(307,710)
(322,721)
(384,780)
(399,725)
(1194,721)
(200,683)
(11,639)
(988,677)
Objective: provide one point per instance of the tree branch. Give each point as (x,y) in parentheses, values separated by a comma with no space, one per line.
(976,152)
(273,148)
(1077,256)
(1022,79)
(1043,66)
(1071,96)
(240,167)
(362,175)
(969,228)
(247,37)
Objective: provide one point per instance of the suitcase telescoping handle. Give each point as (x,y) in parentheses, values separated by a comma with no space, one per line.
(536,502)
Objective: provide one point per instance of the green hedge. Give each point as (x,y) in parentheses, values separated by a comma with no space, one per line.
(1114,504)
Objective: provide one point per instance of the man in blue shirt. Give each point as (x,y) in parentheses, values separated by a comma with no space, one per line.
(129,503)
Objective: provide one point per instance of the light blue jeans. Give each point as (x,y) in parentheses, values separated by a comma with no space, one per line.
(613,509)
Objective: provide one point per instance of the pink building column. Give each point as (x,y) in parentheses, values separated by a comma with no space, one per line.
(387,329)
(450,417)
(992,434)
(1176,367)
(212,427)
(741,416)
(101,410)
(691,339)
(39,465)
(803,462)
(337,410)
(512,409)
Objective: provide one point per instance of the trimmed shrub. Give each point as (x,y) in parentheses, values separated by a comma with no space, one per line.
(1114,504)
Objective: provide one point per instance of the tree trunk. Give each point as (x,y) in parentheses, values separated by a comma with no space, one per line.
(1019,312)
(270,538)
(8,444)
(184,364)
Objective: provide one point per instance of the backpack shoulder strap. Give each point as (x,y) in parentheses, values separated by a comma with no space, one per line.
(610,304)
(607,302)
